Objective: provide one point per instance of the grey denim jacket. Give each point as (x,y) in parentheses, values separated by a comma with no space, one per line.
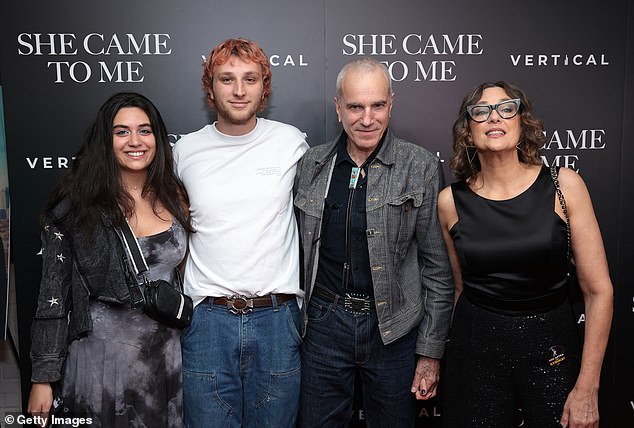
(75,269)
(411,274)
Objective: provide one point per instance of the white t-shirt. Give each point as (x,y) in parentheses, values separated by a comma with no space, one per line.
(241,202)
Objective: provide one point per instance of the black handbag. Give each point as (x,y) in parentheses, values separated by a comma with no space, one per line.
(160,299)
(574,289)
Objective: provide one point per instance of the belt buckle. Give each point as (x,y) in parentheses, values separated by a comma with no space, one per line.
(356,303)
(239,304)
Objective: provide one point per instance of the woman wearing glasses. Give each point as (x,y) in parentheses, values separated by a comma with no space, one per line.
(514,342)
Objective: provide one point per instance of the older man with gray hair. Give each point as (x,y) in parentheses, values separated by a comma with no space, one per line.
(377,278)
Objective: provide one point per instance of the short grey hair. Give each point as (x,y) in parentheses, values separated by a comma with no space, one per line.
(362,64)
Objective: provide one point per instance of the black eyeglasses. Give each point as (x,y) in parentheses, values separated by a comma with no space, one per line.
(506,110)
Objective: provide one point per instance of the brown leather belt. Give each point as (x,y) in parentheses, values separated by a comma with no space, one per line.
(238,304)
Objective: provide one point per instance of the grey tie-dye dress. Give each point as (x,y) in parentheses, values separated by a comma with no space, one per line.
(127,371)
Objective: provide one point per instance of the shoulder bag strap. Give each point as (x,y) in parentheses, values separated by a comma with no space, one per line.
(137,261)
(562,201)
(133,249)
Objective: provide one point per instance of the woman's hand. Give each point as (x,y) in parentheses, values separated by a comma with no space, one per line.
(40,400)
(581,409)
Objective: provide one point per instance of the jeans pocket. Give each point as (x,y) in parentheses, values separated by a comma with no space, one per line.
(190,330)
(280,405)
(203,402)
(318,312)
(294,321)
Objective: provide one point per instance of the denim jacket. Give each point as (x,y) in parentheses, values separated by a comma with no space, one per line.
(411,274)
(75,269)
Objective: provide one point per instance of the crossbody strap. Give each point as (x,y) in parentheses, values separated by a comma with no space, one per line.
(131,245)
(562,201)
(137,261)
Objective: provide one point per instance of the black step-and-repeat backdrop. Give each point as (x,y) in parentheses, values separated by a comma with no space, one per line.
(61,60)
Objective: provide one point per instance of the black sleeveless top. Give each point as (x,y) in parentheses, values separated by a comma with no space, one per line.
(512,252)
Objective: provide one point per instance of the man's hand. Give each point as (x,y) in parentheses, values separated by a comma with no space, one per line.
(426,378)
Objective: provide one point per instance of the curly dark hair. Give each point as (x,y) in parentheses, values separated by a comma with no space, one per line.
(92,186)
(465,164)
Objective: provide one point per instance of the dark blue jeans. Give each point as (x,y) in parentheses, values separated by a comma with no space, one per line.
(242,370)
(337,346)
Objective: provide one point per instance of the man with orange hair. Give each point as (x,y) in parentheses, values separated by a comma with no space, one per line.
(241,361)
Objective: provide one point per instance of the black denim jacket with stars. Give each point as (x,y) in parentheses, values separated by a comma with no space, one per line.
(75,269)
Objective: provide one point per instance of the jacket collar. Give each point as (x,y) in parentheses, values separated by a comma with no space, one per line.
(386,154)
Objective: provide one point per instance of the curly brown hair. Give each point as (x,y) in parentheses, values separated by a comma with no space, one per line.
(464,163)
(244,49)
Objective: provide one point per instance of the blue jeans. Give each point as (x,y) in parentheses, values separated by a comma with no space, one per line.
(242,370)
(339,344)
